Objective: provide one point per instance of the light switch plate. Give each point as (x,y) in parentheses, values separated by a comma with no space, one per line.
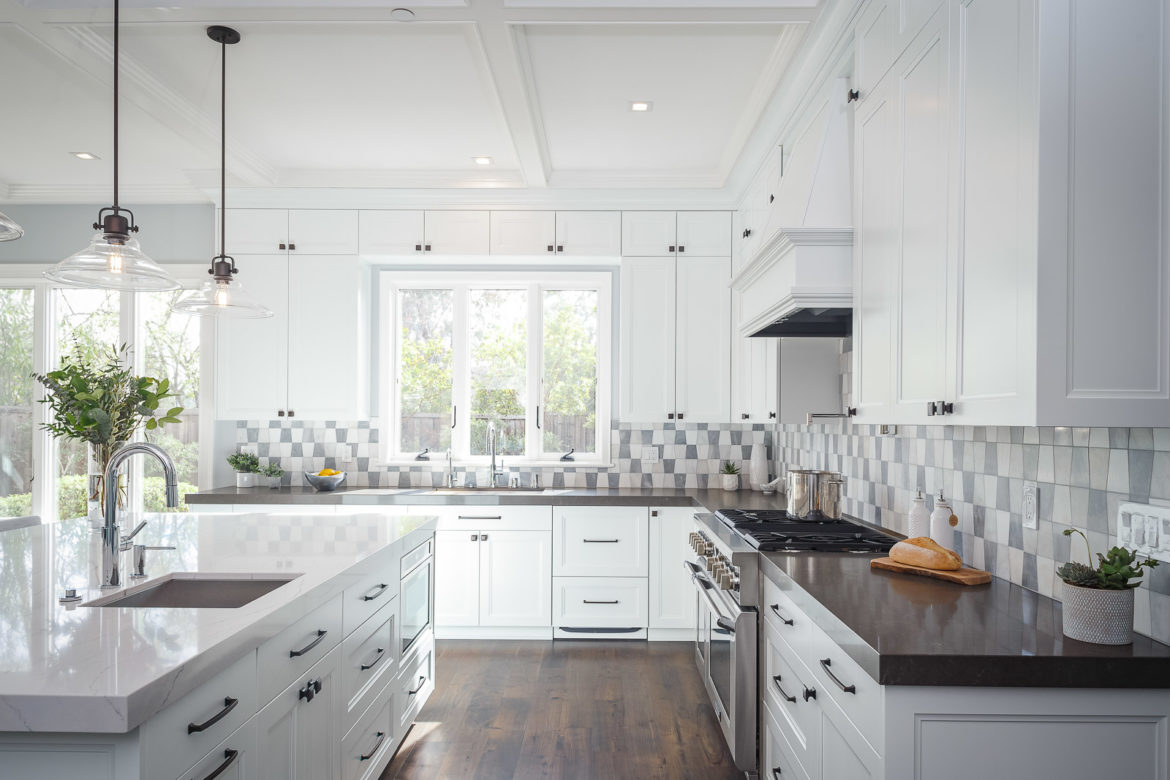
(1145,528)
(1031,505)
(650,453)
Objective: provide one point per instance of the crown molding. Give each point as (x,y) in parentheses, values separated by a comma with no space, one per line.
(783,242)
(88,194)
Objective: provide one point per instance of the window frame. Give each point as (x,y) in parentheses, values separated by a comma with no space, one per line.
(462,282)
(131,331)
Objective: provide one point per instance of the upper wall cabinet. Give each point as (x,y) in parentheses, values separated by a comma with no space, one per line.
(269,231)
(393,232)
(563,233)
(1010,256)
(669,233)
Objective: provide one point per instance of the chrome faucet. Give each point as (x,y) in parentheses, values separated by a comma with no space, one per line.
(496,472)
(449,481)
(111,538)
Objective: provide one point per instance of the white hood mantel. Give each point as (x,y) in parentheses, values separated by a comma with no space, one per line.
(802,268)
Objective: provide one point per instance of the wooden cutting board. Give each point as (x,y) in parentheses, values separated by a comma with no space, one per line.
(963,576)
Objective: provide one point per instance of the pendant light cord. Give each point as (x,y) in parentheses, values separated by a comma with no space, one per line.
(223,148)
(116,26)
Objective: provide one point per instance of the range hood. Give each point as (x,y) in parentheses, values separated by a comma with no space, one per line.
(798,280)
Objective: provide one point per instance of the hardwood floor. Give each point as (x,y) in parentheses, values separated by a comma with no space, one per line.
(565,709)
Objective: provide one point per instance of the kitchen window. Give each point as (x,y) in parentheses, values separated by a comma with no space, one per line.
(527,354)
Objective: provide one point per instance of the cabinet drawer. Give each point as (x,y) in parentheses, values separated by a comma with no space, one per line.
(600,602)
(374,590)
(369,744)
(368,661)
(856,694)
(416,681)
(600,542)
(793,694)
(783,616)
(490,518)
(235,758)
(776,760)
(181,734)
(293,651)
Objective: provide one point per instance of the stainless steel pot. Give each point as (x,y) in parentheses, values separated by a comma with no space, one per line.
(829,494)
(812,492)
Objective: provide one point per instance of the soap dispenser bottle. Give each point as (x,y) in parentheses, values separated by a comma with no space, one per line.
(919,517)
(943,522)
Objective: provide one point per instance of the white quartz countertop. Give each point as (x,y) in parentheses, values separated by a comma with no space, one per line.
(73,668)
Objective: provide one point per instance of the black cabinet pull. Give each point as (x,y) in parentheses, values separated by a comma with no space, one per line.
(421,682)
(291,413)
(810,693)
(771,198)
(776,771)
(783,694)
(825,664)
(680,415)
(418,247)
(381,652)
(483,537)
(670,248)
(560,247)
(682,248)
(292,247)
(786,621)
(475,537)
(550,247)
(229,704)
(311,689)
(298,653)
(725,624)
(280,412)
(744,416)
(282,246)
(454,415)
(930,408)
(229,758)
(375,592)
(670,415)
(771,415)
(480,517)
(426,247)
(601,541)
(747,232)
(381,735)
(587,601)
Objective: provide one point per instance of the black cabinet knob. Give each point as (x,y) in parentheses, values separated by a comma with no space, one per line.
(282,246)
(427,248)
(771,415)
(418,247)
(280,412)
(291,413)
(560,247)
(292,247)
(670,248)
(670,415)
(744,416)
(550,247)
(682,248)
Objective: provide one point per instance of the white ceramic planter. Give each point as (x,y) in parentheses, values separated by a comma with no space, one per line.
(1103,617)
(273,482)
(730,481)
(245,479)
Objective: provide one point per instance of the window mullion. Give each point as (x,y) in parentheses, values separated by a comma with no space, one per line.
(132,332)
(535,365)
(461,392)
(44,453)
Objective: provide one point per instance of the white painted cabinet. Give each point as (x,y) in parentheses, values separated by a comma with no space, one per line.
(600,541)
(589,233)
(523,232)
(457,232)
(299,729)
(310,231)
(390,232)
(669,233)
(308,359)
(256,231)
(560,233)
(672,595)
(409,232)
(457,578)
(514,569)
(676,339)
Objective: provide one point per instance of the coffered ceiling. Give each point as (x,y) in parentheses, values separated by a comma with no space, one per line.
(342,95)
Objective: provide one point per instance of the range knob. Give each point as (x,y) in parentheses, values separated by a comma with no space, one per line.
(711,562)
(727,580)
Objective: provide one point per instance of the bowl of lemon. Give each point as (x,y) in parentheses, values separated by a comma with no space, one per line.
(325,480)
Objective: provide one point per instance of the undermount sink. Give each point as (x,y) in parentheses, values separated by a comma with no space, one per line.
(193,591)
(466,491)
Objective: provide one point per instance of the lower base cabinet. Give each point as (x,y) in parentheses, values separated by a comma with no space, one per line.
(236,758)
(299,727)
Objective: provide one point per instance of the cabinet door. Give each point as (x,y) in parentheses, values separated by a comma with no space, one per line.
(323,231)
(751,232)
(921,324)
(589,233)
(648,234)
(705,233)
(515,578)
(874,255)
(257,231)
(326,376)
(742,351)
(672,596)
(299,738)
(764,376)
(457,578)
(251,377)
(647,338)
(236,758)
(457,232)
(523,232)
(703,346)
(600,541)
(390,232)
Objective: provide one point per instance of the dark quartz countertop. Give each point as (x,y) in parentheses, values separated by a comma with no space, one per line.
(709,499)
(909,630)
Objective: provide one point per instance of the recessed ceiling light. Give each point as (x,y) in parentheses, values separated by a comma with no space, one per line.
(402,15)
(641,105)
(85,156)
(482,160)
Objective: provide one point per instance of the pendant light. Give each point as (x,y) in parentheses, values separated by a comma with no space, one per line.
(9,230)
(222,295)
(113,260)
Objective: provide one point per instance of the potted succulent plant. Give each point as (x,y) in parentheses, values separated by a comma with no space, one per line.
(729,475)
(272,472)
(246,465)
(1098,601)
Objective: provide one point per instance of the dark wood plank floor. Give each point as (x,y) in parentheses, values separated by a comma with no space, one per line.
(565,709)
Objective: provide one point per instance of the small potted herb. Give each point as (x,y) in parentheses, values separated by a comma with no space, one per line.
(245,464)
(729,474)
(1098,602)
(272,472)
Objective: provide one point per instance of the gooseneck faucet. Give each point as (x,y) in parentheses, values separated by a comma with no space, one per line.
(111,534)
(496,473)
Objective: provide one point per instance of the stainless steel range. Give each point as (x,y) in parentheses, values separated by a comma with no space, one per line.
(725,571)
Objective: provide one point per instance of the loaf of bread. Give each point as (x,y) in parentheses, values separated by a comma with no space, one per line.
(924,552)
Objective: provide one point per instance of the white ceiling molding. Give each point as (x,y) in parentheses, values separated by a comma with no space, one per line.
(313,177)
(31,193)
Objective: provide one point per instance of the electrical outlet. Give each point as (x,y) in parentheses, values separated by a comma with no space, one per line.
(887,430)
(1146,528)
(650,453)
(1031,505)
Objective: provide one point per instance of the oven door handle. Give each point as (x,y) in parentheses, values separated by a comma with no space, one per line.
(725,624)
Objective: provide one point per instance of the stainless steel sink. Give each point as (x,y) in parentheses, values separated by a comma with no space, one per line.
(492,491)
(194,591)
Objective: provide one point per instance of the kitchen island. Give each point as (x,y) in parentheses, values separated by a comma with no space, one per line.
(127,691)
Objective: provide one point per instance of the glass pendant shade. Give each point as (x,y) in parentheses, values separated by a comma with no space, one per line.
(112,262)
(222,299)
(9,230)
